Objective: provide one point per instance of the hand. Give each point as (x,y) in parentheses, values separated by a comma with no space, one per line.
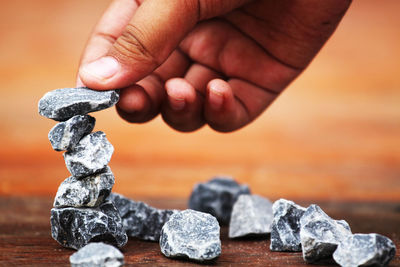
(204,61)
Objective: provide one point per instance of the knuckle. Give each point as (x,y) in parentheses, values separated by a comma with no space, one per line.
(130,45)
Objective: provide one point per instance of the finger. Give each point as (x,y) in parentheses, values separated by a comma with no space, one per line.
(183,110)
(107,30)
(199,76)
(233,104)
(155,30)
(142,102)
(221,47)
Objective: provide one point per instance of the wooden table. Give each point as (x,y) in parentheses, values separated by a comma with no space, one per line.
(25,235)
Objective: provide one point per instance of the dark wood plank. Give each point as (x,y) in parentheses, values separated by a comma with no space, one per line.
(25,236)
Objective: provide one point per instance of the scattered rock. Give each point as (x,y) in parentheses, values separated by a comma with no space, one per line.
(217,197)
(285,229)
(87,192)
(76,227)
(139,219)
(364,250)
(251,215)
(91,155)
(62,104)
(97,255)
(320,234)
(191,234)
(65,135)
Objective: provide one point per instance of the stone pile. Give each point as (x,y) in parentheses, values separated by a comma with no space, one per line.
(81,212)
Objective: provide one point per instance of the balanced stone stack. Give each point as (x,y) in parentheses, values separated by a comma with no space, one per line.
(81,213)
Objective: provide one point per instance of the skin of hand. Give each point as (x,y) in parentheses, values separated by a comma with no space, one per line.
(198,62)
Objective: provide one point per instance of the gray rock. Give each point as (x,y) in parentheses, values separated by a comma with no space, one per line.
(87,192)
(251,215)
(217,197)
(139,219)
(62,104)
(285,228)
(191,234)
(91,155)
(320,234)
(365,250)
(97,255)
(65,135)
(76,227)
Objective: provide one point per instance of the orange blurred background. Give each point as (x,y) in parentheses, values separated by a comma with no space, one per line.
(334,134)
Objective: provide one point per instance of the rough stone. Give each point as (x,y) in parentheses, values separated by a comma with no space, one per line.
(217,197)
(251,215)
(139,219)
(320,234)
(91,155)
(87,192)
(285,228)
(62,104)
(365,250)
(65,135)
(76,227)
(97,255)
(191,234)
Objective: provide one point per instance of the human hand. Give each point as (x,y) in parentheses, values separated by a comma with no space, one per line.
(200,62)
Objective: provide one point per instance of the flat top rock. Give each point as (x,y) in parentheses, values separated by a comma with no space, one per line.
(365,250)
(62,104)
(97,254)
(76,227)
(191,234)
(251,215)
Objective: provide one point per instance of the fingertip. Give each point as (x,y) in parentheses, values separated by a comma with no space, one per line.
(102,74)
(180,93)
(133,100)
(219,94)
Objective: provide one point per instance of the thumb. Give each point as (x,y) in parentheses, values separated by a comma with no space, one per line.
(156,29)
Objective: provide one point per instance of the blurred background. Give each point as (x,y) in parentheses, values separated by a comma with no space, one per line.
(333,135)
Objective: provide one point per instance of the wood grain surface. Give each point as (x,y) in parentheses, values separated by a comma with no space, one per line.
(25,238)
(332,135)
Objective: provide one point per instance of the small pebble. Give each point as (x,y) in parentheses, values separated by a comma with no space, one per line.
(217,197)
(65,135)
(251,215)
(191,234)
(87,192)
(285,229)
(320,234)
(91,155)
(62,104)
(97,255)
(365,250)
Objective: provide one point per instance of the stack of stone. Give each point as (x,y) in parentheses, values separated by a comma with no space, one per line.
(81,213)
